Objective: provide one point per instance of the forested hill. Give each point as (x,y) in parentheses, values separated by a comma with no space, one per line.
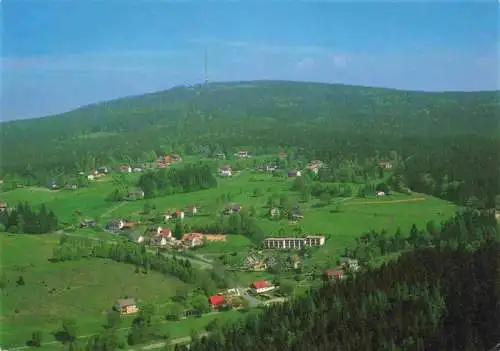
(337,106)
(240,113)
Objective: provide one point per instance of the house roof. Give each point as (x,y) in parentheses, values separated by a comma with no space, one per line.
(192,236)
(332,272)
(216,299)
(126,302)
(165,232)
(3,204)
(259,284)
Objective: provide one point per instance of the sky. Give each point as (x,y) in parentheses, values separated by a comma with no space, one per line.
(58,55)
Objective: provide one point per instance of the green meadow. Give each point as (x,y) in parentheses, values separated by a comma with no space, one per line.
(85,290)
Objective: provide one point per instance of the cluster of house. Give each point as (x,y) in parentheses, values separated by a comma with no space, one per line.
(96,173)
(167,160)
(221,300)
(257,262)
(162,237)
(294,215)
(293,242)
(226,299)
(345,264)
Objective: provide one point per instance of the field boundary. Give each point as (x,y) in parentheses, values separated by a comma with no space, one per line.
(386,202)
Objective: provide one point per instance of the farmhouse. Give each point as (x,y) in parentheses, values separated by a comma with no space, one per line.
(164,232)
(191,209)
(178,214)
(293,174)
(126,306)
(3,206)
(385,164)
(193,239)
(225,171)
(233,208)
(262,286)
(274,212)
(125,169)
(268,168)
(242,154)
(293,242)
(332,273)
(102,170)
(216,301)
(88,223)
(137,194)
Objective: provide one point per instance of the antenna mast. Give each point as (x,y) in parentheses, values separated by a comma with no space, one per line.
(206,66)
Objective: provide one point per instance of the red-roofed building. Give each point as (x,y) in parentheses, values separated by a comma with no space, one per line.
(167,232)
(193,239)
(334,274)
(261,286)
(125,169)
(216,300)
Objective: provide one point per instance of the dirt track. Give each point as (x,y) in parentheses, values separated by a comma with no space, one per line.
(386,202)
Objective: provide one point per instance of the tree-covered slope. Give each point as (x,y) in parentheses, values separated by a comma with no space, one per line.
(228,112)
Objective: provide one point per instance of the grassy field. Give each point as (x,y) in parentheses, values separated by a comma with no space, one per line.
(96,284)
(84,290)
(355,215)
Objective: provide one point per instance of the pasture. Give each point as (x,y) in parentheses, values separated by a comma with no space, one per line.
(83,290)
(341,221)
(86,289)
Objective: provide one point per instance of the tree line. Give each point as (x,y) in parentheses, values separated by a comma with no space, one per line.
(24,219)
(73,248)
(177,180)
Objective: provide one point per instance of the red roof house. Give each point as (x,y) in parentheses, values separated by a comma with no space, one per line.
(262,286)
(216,300)
(334,274)
(167,232)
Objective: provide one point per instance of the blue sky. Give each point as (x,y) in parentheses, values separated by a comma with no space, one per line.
(59,55)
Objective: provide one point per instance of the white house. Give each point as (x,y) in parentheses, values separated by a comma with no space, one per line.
(225,171)
(380,193)
(262,286)
(90,177)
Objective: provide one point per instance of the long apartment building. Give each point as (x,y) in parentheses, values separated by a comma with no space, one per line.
(294,242)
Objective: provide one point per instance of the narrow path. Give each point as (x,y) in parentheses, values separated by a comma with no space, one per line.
(386,202)
(113,209)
